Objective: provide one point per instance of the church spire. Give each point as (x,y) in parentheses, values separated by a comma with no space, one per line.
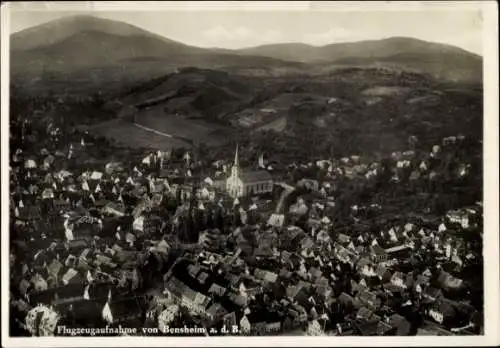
(235,168)
(236,157)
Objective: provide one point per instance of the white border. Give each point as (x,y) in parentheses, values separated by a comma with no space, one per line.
(490,141)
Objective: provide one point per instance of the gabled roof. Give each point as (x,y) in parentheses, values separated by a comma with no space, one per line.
(230,319)
(377,249)
(255,176)
(374,328)
(366,314)
(216,309)
(397,248)
(217,289)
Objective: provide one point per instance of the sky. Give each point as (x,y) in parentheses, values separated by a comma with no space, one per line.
(225,26)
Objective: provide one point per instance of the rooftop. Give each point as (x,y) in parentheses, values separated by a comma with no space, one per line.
(255,176)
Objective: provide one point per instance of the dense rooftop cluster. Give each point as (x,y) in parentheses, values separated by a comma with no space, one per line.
(348,246)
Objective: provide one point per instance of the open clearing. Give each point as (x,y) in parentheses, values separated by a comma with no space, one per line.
(386,91)
(180,127)
(127,134)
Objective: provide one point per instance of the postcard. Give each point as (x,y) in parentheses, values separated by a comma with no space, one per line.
(250,173)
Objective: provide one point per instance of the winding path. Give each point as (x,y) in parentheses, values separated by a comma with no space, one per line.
(153,131)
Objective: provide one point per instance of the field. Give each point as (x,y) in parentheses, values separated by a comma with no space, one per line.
(127,134)
(386,91)
(196,130)
(363,111)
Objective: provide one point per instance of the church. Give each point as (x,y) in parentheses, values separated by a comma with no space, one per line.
(247,183)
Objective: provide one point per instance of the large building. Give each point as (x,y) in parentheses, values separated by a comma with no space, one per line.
(243,183)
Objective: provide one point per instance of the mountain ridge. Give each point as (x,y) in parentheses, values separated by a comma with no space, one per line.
(118,51)
(65,27)
(389,40)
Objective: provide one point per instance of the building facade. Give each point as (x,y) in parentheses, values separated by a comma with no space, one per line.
(247,183)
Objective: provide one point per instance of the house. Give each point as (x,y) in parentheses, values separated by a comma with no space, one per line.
(243,183)
(252,288)
(166,316)
(61,205)
(174,287)
(432,294)
(229,320)
(342,238)
(260,322)
(193,270)
(194,300)
(202,277)
(266,276)
(219,183)
(84,231)
(398,251)
(306,243)
(245,326)
(346,300)
(233,279)
(373,328)
(255,321)
(447,281)
(421,283)
(309,184)
(238,300)
(368,299)
(297,292)
(441,311)
(378,254)
(344,255)
(400,326)
(365,267)
(315,273)
(217,290)
(288,323)
(366,315)
(113,209)
(48,193)
(273,327)
(398,279)
(215,312)
(383,273)
(301,313)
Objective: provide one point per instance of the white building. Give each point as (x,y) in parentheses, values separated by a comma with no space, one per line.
(242,183)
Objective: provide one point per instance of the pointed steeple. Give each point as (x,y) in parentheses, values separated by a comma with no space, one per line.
(236,157)
(235,168)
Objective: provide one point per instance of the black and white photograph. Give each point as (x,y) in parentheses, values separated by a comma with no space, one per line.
(231,172)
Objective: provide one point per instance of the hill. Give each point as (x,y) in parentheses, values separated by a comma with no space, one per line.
(439,60)
(367,97)
(104,54)
(369,111)
(98,54)
(61,29)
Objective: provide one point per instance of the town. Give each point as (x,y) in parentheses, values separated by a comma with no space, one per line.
(172,239)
